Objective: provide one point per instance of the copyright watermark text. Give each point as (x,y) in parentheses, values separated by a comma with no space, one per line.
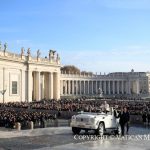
(112,137)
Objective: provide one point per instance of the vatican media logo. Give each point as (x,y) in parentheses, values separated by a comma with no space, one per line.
(145,137)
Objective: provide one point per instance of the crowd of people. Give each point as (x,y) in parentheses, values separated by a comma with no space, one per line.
(10,113)
(9,117)
(135,108)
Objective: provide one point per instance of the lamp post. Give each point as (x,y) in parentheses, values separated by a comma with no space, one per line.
(3,93)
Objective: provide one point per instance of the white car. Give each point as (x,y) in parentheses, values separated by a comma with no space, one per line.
(100,122)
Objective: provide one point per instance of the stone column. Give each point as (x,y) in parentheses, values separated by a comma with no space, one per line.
(56,85)
(122,87)
(117,87)
(61,87)
(80,86)
(51,85)
(126,87)
(30,85)
(88,87)
(113,87)
(84,87)
(104,87)
(23,91)
(92,87)
(4,82)
(100,86)
(68,87)
(129,87)
(43,94)
(137,86)
(109,87)
(76,87)
(34,86)
(38,90)
(65,86)
(96,87)
(72,87)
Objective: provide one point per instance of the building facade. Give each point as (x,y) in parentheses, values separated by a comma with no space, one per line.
(26,78)
(119,83)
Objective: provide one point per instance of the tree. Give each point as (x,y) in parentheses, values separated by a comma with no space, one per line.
(70,69)
(86,73)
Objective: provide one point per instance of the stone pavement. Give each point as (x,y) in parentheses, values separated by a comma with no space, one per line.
(34,132)
(61,138)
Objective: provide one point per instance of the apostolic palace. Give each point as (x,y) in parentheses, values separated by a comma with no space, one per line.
(27,78)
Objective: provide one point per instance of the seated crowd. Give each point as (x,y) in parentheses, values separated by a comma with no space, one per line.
(134,108)
(10,114)
(9,117)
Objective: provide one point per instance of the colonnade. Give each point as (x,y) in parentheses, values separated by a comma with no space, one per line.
(93,87)
(43,85)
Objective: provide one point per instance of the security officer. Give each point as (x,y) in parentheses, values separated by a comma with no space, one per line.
(124,119)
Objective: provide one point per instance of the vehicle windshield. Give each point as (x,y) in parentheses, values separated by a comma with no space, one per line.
(94,113)
(98,112)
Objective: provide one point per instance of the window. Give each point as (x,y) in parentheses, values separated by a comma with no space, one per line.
(14,87)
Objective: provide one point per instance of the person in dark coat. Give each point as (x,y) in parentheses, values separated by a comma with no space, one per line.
(144,117)
(127,119)
(124,119)
(148,118)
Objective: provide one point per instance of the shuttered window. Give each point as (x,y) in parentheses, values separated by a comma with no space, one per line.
(14,87)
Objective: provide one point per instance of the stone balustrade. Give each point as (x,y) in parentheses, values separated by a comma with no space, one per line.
(19,57)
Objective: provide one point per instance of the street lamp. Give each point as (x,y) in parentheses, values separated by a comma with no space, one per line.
(3,93)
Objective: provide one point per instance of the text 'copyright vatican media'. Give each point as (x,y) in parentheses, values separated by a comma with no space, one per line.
(112,137)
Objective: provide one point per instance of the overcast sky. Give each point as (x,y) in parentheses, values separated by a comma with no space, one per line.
(94,35)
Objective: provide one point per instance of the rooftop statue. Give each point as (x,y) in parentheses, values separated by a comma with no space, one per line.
(0,45)
(5,47)
(51,54)
(22,51)
(57,58)
(38,53)
(28,52)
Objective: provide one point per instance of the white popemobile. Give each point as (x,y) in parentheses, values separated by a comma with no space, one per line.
(100,122)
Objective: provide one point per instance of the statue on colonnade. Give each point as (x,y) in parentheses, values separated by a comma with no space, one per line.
(22,51)
(58,57)
(51,54)
(0,45)
(38,53)
(28,52)
(5,47)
